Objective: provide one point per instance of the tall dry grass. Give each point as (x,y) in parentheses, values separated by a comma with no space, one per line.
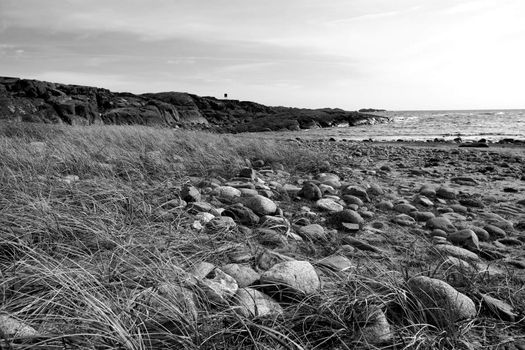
(98,264)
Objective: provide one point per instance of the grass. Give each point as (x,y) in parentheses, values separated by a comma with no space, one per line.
(102,262)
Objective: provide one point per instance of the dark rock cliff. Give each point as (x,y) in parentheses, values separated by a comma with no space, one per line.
(39,101)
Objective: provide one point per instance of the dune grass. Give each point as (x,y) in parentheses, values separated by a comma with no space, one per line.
(102,262)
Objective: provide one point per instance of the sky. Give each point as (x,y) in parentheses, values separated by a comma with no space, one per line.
(350,54)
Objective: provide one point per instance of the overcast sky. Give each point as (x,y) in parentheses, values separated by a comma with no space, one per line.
(394,54)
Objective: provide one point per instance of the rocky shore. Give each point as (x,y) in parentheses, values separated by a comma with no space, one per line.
(40,101)
(376,246)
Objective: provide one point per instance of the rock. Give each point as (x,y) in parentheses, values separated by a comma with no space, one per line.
(37,146)
(268,258)
(312,232)
(222,223)
(422,216)
(385,205)
(329,179)
(190,194)
(197,207)
(348,216)
(472,202)
(243,275)
(495,232)
(248,173)
(445,193)
(11,328)
(227,192)
(260,205)
(337,263)
(202,269)
(358,192)
(404,220)
(310,191)
(218,286)
(69,179)
(350,227)
(498,308)
(465,238)
(475,144)
(248,192)
(359,244)
(439,233)
(427,190)
(443,304)
(328,205)
(377,330)
(457,252)
(349,199)
(292,190)
(423,200)
(482,234)
(292,277)
(325,189)
(441,223)
(459,208)
(404,208)
(241,214)
(252,303)
(375,190)
(271,238)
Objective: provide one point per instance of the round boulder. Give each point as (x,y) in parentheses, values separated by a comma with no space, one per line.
(291,278)
(443,304)
(260,205)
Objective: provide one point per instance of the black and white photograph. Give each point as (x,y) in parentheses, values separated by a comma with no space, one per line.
(262,175)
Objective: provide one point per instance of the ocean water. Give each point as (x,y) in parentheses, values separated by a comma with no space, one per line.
(492,125)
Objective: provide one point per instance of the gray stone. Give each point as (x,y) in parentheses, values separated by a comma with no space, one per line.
(375,190)
(310,191)
(349,199)
(243,275)
(423,200)
(441,223)
(337,263)
(385,205)
(268,258)
(349,216)
(312,232)
(252,303)
(404,208)
(422,216)
(271,238)
(221,223)
(482,234)
(296,277)
(377,331)
(12,328)
(227,192)
(260,205)
(457,252)
(443,304)
(404,220)
(445,193)
(427,190)
(499,308)
(218,286)
(465,238)
(328,205)
(247,173)
(358,192)
(495,232)
(190,194)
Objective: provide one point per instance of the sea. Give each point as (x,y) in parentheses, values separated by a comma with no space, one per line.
(469,125)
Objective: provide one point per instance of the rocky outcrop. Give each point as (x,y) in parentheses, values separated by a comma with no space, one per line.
(39,101)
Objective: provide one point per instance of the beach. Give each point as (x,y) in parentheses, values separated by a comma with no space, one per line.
(198,238)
